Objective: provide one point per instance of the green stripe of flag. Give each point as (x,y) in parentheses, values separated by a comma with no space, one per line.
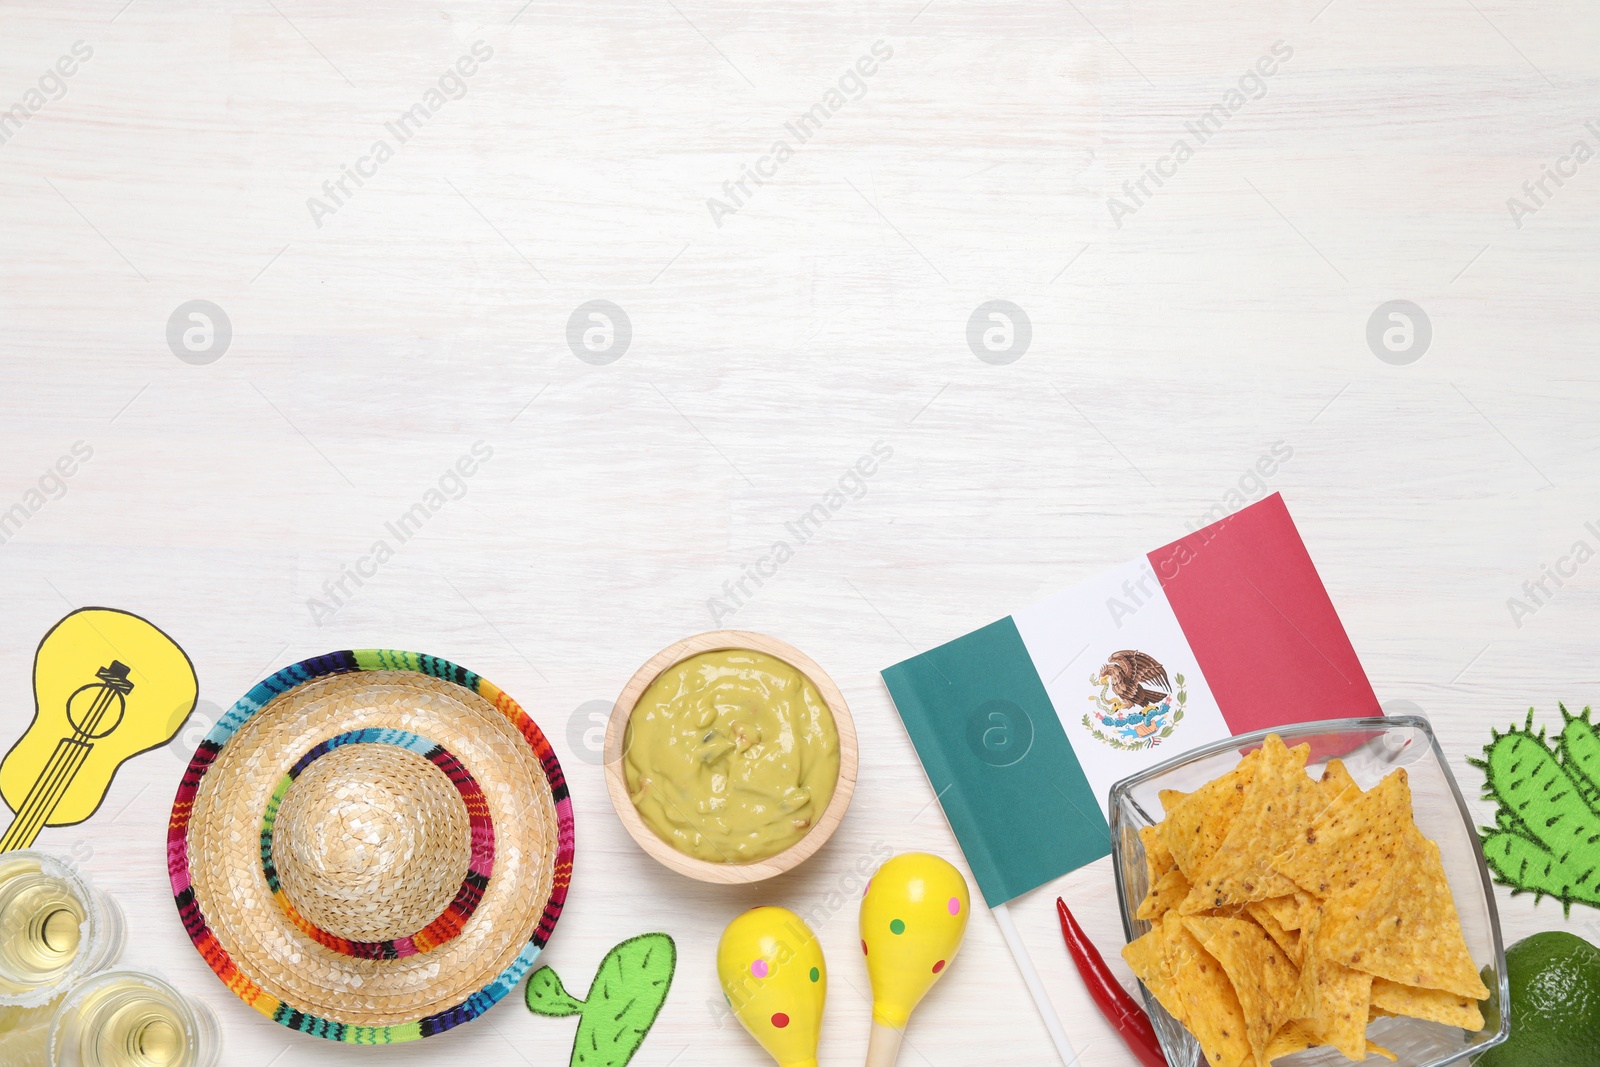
(997,756)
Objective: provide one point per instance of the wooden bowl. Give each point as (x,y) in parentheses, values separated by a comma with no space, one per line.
(704,870)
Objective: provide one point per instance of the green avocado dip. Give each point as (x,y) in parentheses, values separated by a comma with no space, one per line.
(731,756)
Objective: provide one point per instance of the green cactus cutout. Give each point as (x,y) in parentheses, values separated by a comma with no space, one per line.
(1546,837)
(627,995)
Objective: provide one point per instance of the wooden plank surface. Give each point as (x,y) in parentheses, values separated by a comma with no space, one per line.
(775,340)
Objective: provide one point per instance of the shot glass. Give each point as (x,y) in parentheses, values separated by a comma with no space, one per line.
(54,930)
(124,1018)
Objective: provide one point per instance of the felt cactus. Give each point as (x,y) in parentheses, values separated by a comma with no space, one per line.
(623,1002)
(1546,837)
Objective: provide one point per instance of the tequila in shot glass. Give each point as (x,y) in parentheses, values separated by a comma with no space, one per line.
(126,1018)
(54,930)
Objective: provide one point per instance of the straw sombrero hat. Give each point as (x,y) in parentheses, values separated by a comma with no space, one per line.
(372,846)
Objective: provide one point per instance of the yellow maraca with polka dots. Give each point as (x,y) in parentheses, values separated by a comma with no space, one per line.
(913,916)
(773,974)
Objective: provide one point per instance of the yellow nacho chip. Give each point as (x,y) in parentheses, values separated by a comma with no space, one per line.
(1147,958)
(1406,928)
(1263,978)
(1336,780)
(1307,904)
(1196,824)
(1331,1002)
(1193,988)
(1288,940)
(1212,1011)
(1379,1050)
(1280,802)
(1341,1012)
(1285,911)
(1306,1003)
(1353,841)
(1287,1041)
(1157,857)
(1164,895)
(1433,1004)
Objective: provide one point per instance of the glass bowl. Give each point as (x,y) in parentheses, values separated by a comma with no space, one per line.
(1370,749)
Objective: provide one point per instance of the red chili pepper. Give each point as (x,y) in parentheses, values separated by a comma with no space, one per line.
(1120,1009)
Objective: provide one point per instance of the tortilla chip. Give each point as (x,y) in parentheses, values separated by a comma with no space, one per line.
(1306,1003)
(1170,799)
(1287,940)
(1157,857)
(1331,1002)
(1436,1005)
(1343,915)
(1379,1050)
(1353,841)
(1285,911)
(1308,904)
(1292,912)
(1264,979)
(1279,804)
(1406,928)
(1341,1016)
(1164,895)
(1212,1011)
(1287,1041)
(1147,956)
(1336,780)
(1196,824)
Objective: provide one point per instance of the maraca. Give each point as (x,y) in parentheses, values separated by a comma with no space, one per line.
(913,916)
(774,977)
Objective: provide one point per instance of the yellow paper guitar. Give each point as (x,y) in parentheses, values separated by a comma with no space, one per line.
(107,686)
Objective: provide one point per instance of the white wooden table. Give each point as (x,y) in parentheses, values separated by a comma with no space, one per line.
(376,338)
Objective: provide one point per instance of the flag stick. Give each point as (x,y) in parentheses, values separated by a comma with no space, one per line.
(1041,999)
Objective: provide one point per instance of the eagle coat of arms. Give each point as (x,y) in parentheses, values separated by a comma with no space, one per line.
(1137,707)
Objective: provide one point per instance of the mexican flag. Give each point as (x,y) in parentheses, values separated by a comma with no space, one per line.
(1023,725)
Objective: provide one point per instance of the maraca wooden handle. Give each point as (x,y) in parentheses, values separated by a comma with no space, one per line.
(883,1049)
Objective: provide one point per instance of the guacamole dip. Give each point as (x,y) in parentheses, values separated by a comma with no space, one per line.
(731,756)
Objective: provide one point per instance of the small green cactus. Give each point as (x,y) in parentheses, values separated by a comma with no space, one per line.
(627,995)
(1546,837)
